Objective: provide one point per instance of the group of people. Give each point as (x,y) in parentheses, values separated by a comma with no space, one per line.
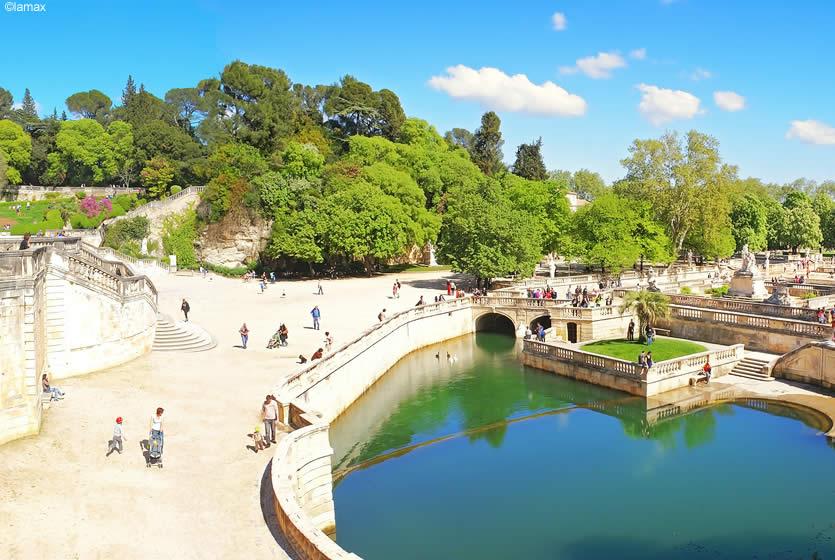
(584,298)
(826,316)
(155,436)
(279,338)
(537,332)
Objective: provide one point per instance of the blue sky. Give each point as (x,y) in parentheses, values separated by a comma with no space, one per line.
(776,55)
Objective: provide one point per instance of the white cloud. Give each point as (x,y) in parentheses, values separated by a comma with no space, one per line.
(599,66)
(700,74)
(811,132)
(558,19)
(729,100)
(19,105)
(661,105)
(638,54)
(496,90)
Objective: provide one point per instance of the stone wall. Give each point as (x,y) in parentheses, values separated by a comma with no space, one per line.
(301,474)
(813,364)
(37,192)
(64,311)
(22,342)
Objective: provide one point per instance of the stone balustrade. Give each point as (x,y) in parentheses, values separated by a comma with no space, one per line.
(740,319)
(741,306)
(626,375)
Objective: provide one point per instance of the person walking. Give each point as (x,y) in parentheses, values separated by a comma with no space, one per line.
(316,314)
(650,332)
(156,431)
(320,291)
(244,332)
(630,330)
(118,435)
(328,341)
(448,288)
(394,292)
(185,308)
(269,412)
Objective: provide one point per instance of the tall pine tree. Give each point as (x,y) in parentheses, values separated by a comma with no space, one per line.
(129,92)
(28,107)
(486,151)
(529,162)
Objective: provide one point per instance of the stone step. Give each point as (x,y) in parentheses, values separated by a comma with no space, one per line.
(757,376)
(180,337)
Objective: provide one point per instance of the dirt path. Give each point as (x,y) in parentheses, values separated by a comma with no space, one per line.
(60,497)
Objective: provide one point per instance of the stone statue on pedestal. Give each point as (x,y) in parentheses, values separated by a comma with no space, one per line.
(749,261)
(767,261)
(689,258)
(780,295)
(552,267)
(747,281)
(144,248)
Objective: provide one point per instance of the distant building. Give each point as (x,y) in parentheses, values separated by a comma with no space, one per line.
(574,201)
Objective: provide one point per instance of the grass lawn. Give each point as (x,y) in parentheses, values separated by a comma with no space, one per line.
(662,349)
(34,214)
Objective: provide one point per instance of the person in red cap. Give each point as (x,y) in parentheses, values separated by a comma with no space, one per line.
(118,435)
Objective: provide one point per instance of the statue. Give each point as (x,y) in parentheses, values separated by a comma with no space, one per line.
(650,274)
(779,295)
(144,249)
(748,260)
(767,260)
(689,258)
(552,267)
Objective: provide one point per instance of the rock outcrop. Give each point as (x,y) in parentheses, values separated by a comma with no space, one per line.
(232,243)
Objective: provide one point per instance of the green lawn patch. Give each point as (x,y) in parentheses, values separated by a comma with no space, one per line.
(662,349)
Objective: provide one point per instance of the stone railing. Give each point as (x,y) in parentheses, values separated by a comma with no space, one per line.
(310,399)
(155,204)
(147,263)
(558,309)
(296,386)
(741,306)
(787,326)
(23,264)
(660,370)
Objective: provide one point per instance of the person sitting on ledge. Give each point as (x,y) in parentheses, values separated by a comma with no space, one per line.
(317,355)
(54,392)
(302,359)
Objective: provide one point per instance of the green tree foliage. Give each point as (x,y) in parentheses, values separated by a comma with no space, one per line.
(91,104)
(529,163)
(587,184)
(685,181)
(486,150)
(144,108)
(824,207)
(484,235)
(6,103)
(28,111)
(615,233)
(353,107)
(85,153)
(126,233)
(129,92)
(749,219)
(157,175)
(647,306)
(459,138)
(186,103)
(160,139)
(546,203)
(800,228)
(179,232)
(16,150)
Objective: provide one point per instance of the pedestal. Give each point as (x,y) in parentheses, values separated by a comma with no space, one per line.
(748,285)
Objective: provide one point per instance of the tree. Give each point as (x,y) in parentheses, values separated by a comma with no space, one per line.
(157,176)
(91,104)
(84,154)
(129,92)
(6,103)
(459,138)
(294,235)
(546,202)
(391,114)
(824,207)
(615,233)
(144,108)
(587,184)
(801,228)
(158,138)
(16,150)
(186,102)
(679,179)
(749,220)
(647,306)
(28,108)
(484,235)
(486,151)
(121,134)
(529,163)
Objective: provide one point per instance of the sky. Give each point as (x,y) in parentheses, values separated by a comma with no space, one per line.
(586,76)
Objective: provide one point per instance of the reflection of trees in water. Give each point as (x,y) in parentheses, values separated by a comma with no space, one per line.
(698,427)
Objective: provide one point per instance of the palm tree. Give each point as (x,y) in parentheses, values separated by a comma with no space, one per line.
(647,306)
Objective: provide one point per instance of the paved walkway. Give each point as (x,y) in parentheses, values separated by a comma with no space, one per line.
(61,498)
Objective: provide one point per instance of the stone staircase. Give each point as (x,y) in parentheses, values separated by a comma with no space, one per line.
(181,337)
(753,368)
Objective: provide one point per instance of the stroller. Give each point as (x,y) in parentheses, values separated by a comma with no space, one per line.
(154,450)
(275,341)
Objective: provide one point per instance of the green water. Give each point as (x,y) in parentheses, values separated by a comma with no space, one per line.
(484,459)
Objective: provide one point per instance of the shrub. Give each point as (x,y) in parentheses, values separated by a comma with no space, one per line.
(90,206)
(130,229)
(126,201)
(52,195)
(686,290)
(175,189)
(80,195)
(718,292)
(179,232)
(811,294)
(54,220)
(231,272)
(80,221)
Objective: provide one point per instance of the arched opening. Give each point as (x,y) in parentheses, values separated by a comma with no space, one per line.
(544,320)
(495,322)
(572,332)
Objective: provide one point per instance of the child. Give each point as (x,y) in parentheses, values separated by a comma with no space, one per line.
(118,436)
(258,439)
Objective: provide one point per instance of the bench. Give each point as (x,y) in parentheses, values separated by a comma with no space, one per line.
(662,332)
